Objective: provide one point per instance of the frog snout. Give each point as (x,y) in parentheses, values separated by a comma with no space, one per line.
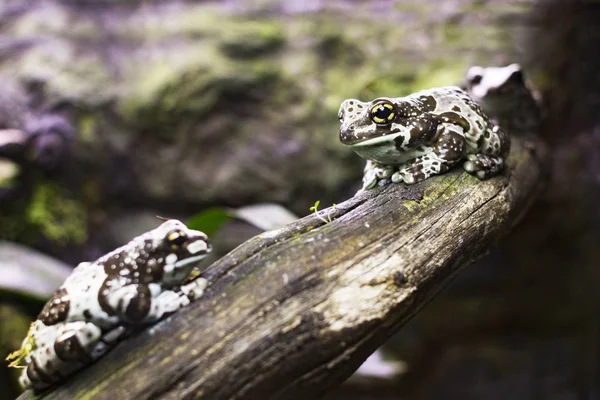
(347,133)
(348,127)
(199,246)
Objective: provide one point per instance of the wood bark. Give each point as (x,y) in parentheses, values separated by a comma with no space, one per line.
(293,312)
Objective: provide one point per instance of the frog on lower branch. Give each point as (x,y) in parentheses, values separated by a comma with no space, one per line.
(134,285)
(415,137)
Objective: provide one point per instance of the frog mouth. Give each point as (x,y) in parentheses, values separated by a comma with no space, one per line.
(388,137)
(198,249)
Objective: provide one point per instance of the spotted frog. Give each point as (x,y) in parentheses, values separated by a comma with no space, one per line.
(505,95)
(99,302)
(412,138)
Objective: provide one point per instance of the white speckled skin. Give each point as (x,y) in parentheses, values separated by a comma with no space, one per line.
(505,96)
(414,137)
(131,286)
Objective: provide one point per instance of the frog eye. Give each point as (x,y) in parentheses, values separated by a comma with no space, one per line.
(382,112)
(176,239)
(341,115)
(475,79)
(517,77)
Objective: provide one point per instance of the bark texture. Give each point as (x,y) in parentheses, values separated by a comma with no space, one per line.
(293,312)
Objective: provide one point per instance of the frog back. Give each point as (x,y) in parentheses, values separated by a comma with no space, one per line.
(453,105)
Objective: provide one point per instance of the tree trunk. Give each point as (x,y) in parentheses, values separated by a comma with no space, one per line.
(293,312)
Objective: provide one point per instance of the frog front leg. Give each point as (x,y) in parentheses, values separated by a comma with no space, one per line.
(374,172)
(170,301)
(144,303)
(448,150)
(195,289)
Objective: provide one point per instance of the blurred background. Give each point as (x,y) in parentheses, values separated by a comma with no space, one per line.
(115,111)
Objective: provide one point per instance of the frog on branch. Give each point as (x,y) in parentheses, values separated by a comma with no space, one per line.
(415,137)
(99,302)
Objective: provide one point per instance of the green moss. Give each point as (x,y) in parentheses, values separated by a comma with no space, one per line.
(440,188)
(156,92)
(59,218)
(87,127)
(169,95)
(69,74)
(440,73)
(50,212)
(251,39)
(469,37)
(394,85)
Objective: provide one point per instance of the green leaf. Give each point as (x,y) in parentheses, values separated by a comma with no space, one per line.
(316,206)
(210,220)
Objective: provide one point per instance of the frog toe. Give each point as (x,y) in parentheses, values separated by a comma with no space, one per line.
(406,177)
(470,166)
(397,178)
(383,173)
(409,179)
(483,166)
(369,180)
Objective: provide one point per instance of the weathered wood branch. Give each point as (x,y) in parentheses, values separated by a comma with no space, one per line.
(294,312)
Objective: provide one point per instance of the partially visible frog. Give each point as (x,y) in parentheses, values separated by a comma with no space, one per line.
(412,138)
(505,96)
(134,285)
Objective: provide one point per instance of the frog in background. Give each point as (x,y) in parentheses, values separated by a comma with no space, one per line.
(426,133)
(132,286)
(504,94)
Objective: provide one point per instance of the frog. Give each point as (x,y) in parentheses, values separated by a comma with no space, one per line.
(412,138)
(101,302)
(507,97)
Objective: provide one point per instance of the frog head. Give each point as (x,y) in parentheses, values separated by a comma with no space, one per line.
(492,86)
(163,255)
(384,129)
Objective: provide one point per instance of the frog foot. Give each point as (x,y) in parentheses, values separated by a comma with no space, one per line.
(374,172)
(408,176)
(195,289)
(483,166)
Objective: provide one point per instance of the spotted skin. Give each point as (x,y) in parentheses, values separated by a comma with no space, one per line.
(100,302)
(504,95)
(412,138)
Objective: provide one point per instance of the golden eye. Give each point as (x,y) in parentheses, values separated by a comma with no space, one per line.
(382,112)
(340,115)
(176,239)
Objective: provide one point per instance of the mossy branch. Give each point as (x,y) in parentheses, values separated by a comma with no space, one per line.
(293,312)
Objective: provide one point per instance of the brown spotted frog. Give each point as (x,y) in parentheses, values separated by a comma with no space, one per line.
(426,133)
(101,301)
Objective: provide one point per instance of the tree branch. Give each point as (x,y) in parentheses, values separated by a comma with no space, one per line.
(293,312)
